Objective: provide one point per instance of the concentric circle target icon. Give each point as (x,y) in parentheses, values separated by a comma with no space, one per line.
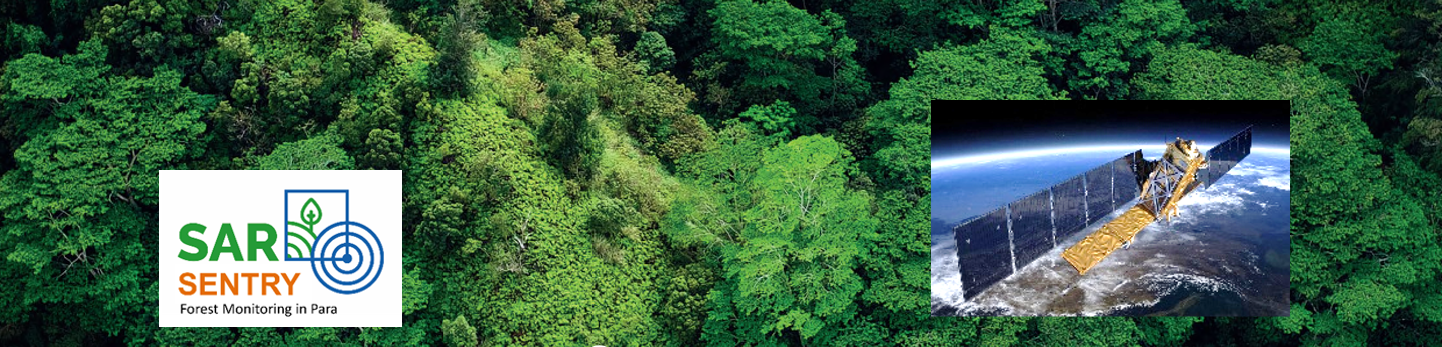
(347,257)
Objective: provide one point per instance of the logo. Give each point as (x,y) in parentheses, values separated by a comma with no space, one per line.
(228,259)
(337,254)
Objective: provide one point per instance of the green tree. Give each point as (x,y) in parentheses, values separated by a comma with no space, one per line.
(653,108)
(569,136)
(711,214)
(1087,331)
(1014,14)
(792,271)
(1348,50)
(317,153)
(458,332)
(776,118)
(775,51)
(1004,66)
(107,138)
(383,150)
(609,216)
(651,50)
(1108,52)
(145,34)
(1166,331)
(221,66)
(77,206)
(889,33)
(1345,211)
(684,306)
(22,39)
(455,70)
(657,113)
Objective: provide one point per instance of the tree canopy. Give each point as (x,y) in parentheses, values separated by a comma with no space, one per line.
(689,172)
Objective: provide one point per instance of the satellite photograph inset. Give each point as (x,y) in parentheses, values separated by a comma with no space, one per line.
(1088,208)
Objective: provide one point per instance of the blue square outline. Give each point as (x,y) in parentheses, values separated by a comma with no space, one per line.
(285,225)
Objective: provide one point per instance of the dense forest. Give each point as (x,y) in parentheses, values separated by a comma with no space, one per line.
(684,172)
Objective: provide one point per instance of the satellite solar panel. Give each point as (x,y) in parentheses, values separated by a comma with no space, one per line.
(1124,179)
(1069,203)
(1204,175)
(1227,154)
(1031,227)
(992,246)
(1216,166)
(1246,143)
(983,252)
(1099,193)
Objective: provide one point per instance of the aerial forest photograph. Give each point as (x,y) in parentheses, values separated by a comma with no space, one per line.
(692,172)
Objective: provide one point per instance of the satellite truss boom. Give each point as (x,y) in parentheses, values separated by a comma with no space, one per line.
(1171,178)
(1161,189)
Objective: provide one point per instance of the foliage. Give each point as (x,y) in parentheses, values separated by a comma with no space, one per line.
(1005,66)
(776,51)
(107,138)
(572,140)
(24,39)
(1340,191)
(688,172)
(896,28)
(776,118)
(316,153)
(143,34)
(455,70)
(458,333)
(651,49)
(793,267)
(1108,52)
(1348,49)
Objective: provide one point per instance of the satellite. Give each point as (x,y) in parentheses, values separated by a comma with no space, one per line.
(994,245)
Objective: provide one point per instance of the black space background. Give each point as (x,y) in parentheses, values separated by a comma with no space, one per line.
(975,127)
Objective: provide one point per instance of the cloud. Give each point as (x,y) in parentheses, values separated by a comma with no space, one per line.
(1283,182)
(1248,169)
(1219,199)
(1265,175)
(946,286)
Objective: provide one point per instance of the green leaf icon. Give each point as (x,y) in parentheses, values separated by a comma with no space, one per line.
(310,212)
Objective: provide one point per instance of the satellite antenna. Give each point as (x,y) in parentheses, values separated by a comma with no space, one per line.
(996,244)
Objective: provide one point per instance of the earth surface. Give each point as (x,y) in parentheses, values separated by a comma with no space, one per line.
(1227,254)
